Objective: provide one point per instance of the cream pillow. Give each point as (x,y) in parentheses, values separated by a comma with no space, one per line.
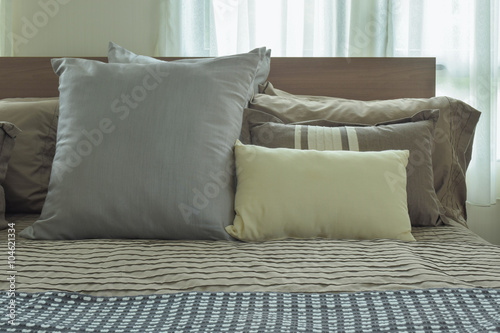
(288,193)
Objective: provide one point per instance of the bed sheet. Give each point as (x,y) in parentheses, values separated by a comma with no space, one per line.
(442,257)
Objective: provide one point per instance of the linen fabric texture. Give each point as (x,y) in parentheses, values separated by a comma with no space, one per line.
(27,178)
(453,136)
(415,134)
(145,150)
(289,193)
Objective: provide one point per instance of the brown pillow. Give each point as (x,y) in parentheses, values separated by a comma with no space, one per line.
(28,175)
(452,138)
(8,134)
(414,134)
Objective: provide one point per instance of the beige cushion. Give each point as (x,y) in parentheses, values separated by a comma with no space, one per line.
(414,134)
(8,134)
(452,138)
(290,193)
(28,175)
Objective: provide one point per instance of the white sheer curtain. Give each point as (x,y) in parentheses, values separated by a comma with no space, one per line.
(289,28)
(6,28)
(462,35)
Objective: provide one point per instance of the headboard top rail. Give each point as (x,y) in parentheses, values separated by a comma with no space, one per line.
(352,78)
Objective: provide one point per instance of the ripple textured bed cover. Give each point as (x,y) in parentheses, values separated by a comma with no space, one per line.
(442,257)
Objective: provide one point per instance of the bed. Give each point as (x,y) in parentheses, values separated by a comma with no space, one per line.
(446,280)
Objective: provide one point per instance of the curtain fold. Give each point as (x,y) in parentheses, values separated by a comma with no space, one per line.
(368,28)
(186,27)
(484,66)
(6,48)
(463,36)
(291,28)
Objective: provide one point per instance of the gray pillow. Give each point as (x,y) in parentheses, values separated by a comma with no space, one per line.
(8,134)
(145,150)
(414,134)
(118,54)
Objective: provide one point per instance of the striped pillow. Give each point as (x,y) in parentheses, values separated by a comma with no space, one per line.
(326,138)
(414,134)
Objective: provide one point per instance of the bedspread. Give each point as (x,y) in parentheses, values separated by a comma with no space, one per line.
(442,257)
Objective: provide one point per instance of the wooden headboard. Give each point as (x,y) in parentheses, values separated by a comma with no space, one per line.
(353,78)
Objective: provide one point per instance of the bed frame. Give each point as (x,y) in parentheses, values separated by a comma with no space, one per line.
(353,78)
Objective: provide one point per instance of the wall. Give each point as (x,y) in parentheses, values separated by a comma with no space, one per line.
(84,27)
(485,221)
